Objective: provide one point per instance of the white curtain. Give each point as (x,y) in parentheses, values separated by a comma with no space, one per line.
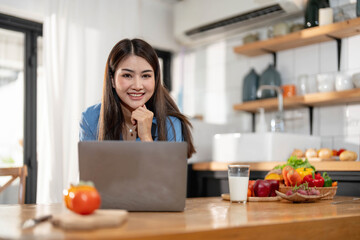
(77,37)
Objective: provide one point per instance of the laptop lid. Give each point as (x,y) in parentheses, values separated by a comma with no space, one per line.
(136,176)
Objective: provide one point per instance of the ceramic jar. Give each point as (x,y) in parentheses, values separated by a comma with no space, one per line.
(251,38)
(250,86)
(270,77)
(280,29)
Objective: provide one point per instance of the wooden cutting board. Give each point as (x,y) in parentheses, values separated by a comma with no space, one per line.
(226,196)
(101,218)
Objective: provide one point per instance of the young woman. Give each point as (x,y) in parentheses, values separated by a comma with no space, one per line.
(135,105)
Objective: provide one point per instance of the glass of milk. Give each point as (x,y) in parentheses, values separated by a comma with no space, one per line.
(238,182)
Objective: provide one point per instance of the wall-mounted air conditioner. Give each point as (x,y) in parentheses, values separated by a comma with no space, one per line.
(200,21)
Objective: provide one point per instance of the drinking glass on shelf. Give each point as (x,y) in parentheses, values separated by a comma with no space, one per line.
(238,182)
(302,85)
(312,86)
(326,82)
(343,82)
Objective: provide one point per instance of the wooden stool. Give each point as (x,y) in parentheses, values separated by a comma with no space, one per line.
(15,172)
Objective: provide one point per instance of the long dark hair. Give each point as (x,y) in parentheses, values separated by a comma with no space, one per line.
(111,119)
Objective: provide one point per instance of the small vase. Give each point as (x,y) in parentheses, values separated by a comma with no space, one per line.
(250,86)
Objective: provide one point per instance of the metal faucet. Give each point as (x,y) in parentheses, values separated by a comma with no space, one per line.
(277,123)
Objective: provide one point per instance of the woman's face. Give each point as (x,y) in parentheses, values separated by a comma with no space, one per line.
(134,81)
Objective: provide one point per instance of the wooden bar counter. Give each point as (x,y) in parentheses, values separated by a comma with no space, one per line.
(205,218)
(267,166)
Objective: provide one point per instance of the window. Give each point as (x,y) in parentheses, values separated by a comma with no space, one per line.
(18,73)
(165,65)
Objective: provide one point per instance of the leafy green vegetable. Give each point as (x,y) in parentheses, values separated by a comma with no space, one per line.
(279,167)
(295,162)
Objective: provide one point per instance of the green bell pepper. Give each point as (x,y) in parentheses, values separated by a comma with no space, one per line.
(327,179)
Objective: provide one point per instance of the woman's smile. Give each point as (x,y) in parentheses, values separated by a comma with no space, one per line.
(136,96)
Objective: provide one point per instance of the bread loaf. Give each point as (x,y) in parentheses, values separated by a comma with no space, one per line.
(310,153)
(348,156)
(298,153)
(325,153)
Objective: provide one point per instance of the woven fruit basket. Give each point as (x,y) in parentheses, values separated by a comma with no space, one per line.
(322,190)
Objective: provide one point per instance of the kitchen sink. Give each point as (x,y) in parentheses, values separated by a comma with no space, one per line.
(260,147)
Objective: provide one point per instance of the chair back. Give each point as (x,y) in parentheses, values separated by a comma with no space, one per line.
(15,172)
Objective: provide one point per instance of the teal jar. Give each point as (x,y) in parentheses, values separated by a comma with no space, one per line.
(250,86)
(270,77)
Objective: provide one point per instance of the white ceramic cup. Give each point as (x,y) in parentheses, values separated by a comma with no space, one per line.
(238,176)
(325,16)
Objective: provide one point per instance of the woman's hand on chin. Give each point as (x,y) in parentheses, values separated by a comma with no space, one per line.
(142,117)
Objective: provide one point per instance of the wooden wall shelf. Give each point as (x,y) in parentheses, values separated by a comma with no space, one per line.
(297,39)
(309,100)
(302,38)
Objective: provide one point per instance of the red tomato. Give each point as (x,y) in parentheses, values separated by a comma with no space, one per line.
(85,202)
(82,199)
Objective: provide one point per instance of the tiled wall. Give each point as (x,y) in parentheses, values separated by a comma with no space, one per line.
(213,76)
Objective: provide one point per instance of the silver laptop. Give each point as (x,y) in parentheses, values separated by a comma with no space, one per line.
(136,176)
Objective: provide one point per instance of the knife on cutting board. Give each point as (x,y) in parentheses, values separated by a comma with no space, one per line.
(34,221)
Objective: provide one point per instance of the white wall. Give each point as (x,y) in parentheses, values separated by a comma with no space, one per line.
(27,9)
(149,19)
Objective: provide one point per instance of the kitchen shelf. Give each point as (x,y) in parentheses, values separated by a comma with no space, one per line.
(301,38)
(309,100)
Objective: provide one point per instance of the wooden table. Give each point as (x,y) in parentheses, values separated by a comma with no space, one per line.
(206,218)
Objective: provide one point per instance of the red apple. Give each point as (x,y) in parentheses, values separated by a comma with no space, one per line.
(261,188)
(274,185)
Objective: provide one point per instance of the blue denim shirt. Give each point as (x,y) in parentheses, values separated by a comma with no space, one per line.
(90,119)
